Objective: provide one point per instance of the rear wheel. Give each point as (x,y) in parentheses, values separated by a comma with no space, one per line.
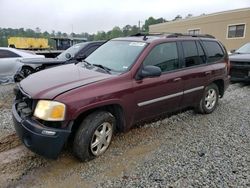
(94,135)
(209,101)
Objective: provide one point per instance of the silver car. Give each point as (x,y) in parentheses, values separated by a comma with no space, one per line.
(10,63)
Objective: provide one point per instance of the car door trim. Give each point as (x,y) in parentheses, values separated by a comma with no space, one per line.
(169,96)
(193,89)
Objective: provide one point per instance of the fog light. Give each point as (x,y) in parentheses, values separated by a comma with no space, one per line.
(49,133)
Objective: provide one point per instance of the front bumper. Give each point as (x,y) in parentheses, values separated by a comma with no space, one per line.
(31,133)
(240,73)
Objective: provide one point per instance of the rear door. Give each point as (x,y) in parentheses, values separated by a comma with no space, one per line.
(216,59)
(157,95)
(196,72)
(8,62)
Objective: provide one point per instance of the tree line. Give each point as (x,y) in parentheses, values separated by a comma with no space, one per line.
(127,30)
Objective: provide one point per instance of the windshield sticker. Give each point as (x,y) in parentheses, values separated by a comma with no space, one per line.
(137,44)
(125,67)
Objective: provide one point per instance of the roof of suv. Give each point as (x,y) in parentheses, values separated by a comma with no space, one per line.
(149,38)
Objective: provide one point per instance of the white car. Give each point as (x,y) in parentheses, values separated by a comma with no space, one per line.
(10,63)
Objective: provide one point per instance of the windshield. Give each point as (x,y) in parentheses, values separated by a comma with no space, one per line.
(245,49)
(73,50)
(117,56)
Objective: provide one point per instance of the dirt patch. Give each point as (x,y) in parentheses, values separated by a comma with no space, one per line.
(9,142)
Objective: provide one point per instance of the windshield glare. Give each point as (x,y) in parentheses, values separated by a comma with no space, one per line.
(245,49)
(117,55)
(72,51)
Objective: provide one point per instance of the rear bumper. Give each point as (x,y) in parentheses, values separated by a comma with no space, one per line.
(34,136)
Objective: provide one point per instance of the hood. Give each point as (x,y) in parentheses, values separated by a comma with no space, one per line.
(42,61)
(47,84)
(240,57)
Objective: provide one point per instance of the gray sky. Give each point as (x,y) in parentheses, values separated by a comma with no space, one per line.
(99,15)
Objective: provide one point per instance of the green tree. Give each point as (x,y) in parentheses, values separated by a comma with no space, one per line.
(151,21)
(126,30)
(101,35)
(116,32)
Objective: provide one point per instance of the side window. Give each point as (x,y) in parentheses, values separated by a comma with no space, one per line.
(214,50)
(164,56)
(8,54)
(90,50)
(193,53)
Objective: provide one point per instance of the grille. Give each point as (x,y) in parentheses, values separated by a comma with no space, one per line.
(241,73)
(240,63)
(24,104)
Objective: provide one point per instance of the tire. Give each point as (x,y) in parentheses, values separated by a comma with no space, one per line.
(89,141)
(26,71)
(209,100)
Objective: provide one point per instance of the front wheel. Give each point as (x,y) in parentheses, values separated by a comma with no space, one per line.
(26,71)
(209,100)
(94,135)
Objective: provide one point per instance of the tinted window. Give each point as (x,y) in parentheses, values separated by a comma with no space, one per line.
(214,50)
(89,51)
(73,50)
(8,54)
(193,53)
(164,56)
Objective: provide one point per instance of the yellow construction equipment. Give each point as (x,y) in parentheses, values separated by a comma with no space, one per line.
(28,43)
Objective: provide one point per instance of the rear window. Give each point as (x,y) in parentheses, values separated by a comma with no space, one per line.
(214,51)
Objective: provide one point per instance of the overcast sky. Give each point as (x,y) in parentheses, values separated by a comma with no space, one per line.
(99,15)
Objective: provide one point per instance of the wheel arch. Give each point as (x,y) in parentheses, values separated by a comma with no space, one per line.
(27,66)
(115,109)
(221,87)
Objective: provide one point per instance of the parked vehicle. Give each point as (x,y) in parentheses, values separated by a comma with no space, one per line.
(74,54)
(10,63)
(125,81)
(240,64)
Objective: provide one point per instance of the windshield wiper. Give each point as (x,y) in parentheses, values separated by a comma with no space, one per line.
(103,67)
(86,63)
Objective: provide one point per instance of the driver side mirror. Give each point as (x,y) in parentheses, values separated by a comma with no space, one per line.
(149,71)
(81,57)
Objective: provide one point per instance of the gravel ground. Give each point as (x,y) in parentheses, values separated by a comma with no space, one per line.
(6,98)
(185,150)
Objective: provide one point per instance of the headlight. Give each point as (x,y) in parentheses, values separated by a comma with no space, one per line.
(50,110)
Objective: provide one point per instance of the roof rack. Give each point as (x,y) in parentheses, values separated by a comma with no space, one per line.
(144,35)
(174,35)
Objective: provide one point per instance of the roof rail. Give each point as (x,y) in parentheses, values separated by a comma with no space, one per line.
(144,35)
(174,35)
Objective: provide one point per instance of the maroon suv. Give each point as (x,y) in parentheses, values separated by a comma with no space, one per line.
(123,82)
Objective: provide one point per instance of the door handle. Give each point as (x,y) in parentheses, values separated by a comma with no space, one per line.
(176,79)
(208,72)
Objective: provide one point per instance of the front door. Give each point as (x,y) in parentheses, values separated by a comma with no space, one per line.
(161,94)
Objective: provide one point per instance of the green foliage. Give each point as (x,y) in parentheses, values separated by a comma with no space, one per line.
(151,21)
(127,30)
